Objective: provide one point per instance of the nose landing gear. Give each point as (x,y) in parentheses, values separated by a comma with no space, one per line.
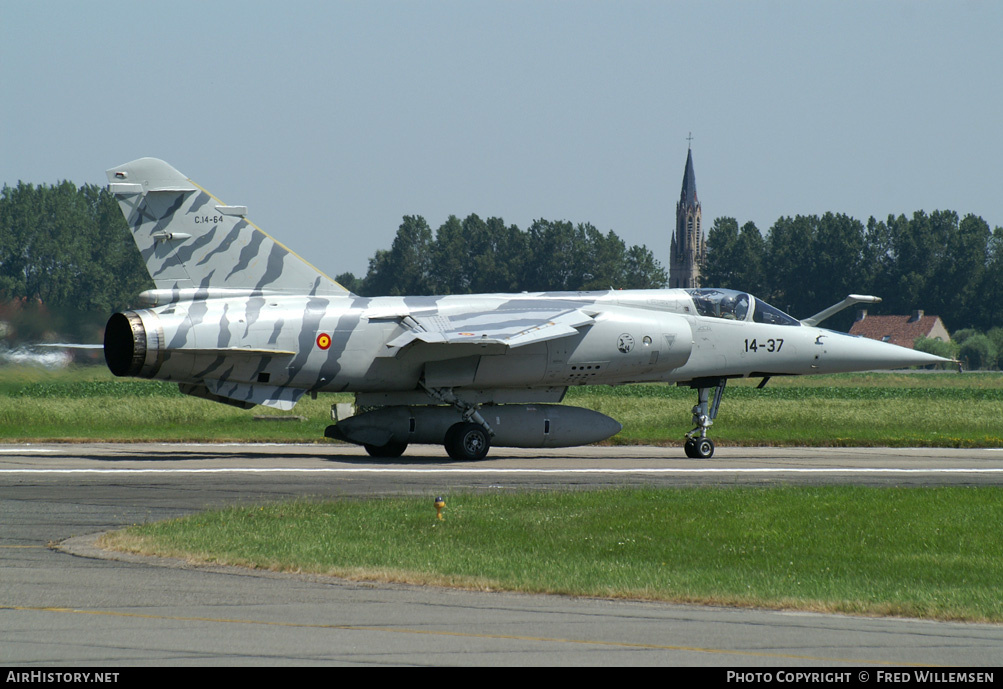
(698,445)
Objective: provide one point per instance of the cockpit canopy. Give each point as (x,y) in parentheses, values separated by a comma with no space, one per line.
(737,306)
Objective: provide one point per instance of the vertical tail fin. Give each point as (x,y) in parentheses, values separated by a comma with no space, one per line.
(190,239)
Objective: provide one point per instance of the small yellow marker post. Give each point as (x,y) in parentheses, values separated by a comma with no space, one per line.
(439,504)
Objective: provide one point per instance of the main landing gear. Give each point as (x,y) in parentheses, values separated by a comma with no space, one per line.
(698,445)
(470,439)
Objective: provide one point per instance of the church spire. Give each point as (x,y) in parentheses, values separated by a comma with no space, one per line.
(688,196)
(688,244)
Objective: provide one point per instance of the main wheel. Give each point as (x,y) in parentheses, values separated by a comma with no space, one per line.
(391,449)
(467,442)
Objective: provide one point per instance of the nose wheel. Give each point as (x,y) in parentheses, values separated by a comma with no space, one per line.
(698,445)
(699,448)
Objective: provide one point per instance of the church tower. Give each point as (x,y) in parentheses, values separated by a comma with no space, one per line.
(688,241)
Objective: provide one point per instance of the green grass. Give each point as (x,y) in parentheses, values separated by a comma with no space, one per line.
(920,552)
(90,404)
(941,410)
(895,410)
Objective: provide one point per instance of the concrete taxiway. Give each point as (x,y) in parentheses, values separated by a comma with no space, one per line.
(62,602)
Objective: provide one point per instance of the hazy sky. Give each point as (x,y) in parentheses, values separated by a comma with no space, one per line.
(332,120)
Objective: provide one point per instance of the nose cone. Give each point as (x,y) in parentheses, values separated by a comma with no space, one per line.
(843,353)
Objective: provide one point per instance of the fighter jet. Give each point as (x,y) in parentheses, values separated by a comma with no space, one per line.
(238,318)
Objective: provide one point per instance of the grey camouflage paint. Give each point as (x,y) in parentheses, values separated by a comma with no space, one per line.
(238,318)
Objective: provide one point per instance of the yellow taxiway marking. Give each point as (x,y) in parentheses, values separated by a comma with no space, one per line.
(467,635)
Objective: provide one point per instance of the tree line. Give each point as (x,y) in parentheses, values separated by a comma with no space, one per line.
(948,266)
(66,261)
(473,256)
(68,249)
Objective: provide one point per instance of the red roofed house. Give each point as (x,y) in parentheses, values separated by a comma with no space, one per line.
(900,330)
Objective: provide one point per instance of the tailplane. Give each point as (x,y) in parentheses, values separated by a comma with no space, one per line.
(191,240)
